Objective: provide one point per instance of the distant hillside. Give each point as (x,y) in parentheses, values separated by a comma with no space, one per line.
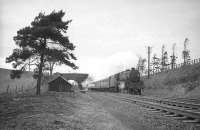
(26,81)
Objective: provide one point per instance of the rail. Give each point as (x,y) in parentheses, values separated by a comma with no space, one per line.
(180,110)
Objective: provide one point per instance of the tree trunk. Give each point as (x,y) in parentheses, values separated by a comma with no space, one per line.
(40,74)
(51,72)
(40,68)
(51,64)
(51,69)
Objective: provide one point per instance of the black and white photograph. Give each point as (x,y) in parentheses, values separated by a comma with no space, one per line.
(99,64)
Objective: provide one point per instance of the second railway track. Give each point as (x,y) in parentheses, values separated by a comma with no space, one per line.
(186,112)
(180,104)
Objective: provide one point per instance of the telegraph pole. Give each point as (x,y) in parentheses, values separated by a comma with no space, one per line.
(29,64)
(173,57)
(149,53)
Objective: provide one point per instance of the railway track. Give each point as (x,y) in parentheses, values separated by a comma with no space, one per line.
(186,112)
(181,104)
(190,100)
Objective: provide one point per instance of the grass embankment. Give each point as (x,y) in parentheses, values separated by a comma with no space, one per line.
(181,82)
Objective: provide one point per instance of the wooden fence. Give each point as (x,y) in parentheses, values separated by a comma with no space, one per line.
(20,90)
(169,67)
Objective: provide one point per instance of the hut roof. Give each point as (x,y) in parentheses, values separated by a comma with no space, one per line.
(79,77)
(57,78)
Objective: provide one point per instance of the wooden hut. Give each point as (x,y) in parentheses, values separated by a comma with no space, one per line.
(60,84)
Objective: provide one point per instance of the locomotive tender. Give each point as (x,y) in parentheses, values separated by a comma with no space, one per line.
(126,81)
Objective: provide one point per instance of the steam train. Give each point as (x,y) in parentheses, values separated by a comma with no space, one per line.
(127,81)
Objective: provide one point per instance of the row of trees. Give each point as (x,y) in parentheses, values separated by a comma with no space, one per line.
(42,45)
(164,61)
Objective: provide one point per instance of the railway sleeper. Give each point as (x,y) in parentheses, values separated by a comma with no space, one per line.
(164,111)
(169,113)
(171,109)
(173,103)
(176,116)
(191,120)
(181,104)
(172,115)
(181,118)
(175,111)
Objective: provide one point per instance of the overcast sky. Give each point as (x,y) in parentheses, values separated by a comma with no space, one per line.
(109,34)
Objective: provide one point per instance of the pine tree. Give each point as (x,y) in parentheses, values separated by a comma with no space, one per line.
(44,38)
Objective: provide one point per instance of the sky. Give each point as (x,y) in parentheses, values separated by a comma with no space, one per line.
(109,35)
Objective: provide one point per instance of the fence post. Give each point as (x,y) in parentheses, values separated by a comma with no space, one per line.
(22,89)
(16,90)
(8,89)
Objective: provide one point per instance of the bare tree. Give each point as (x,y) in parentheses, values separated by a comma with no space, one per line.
(186,52)
(155,63)
(164,59)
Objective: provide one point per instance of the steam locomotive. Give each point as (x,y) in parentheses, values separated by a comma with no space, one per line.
(127,81)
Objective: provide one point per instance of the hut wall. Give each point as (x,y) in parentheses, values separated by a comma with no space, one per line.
(59,85)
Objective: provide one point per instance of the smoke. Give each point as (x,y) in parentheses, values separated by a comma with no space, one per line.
(102,67)
(121,61)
